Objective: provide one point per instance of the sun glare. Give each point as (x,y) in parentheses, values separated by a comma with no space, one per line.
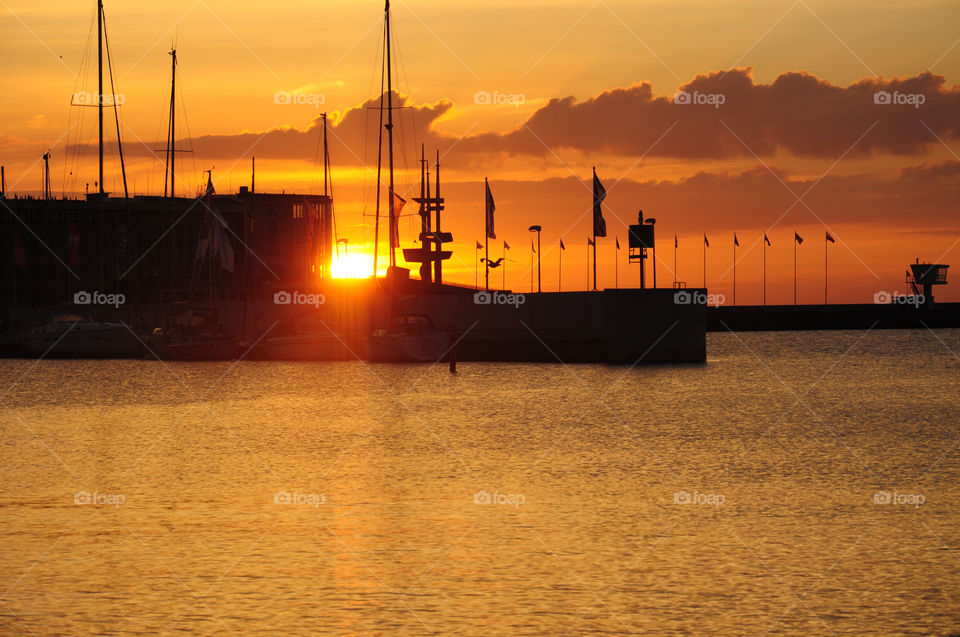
(352,266)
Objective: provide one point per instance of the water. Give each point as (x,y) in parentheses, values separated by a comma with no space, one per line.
(736,497)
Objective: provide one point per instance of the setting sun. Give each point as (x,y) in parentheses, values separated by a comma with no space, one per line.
(352,266)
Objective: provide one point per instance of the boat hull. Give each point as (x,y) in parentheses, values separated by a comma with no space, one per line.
(391,348)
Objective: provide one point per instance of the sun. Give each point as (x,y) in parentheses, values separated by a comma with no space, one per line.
(352,266)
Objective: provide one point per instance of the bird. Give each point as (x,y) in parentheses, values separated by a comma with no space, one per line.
(492,263)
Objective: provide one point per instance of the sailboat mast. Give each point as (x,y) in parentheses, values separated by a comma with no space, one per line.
(326,156)
(389,127)
(100,84)
(172,134)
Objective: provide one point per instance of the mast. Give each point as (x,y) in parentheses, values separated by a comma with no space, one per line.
(326,157)
(100,84)
(171,130)
(389,127)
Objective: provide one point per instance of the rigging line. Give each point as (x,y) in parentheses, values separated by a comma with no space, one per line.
(84,64)
(116,114)
(365,193)
(186,121)
(72,148)
(376,224)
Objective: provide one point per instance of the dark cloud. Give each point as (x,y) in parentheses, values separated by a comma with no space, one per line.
(796,114)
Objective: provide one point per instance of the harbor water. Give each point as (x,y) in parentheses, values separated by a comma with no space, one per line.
(796,483)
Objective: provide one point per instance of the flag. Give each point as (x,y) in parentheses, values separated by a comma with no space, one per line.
(617,239)
(221,243)
(590,242)
(562,247)
(479,246)
(767,241)
(736,242)
(531,246)
(19,254)
(599,194)
(830,239)
(706,241)
(398,203)
(676,244)
(506,246)
(210,192)
(490,206)
(797,237)
(74,244)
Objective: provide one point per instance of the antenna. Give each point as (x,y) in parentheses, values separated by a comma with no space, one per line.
(46,176)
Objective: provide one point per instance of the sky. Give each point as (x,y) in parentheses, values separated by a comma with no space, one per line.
(802,116)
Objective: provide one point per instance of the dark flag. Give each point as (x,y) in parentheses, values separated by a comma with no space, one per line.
(490,206)
(797,237)
(736,242)
(599,194)
(617,239)
(562,247)
(590,241)
(479,246)
(767,241)
(706,241)
(531,246)
(830,239)
(506,246)
(676,244)
(398,204)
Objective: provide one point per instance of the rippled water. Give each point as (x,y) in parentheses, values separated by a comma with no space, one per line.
(744,496)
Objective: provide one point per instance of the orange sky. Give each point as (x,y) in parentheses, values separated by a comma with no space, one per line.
(798,121)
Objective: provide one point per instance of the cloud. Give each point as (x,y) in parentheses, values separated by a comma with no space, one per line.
(728,115)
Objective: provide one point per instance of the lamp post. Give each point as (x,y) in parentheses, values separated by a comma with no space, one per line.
(651,221)
(537,229)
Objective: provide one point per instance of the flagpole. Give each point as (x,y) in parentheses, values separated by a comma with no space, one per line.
(734,270)
(594,259)
(824,269)
(675,261)
(476,269)
(504,266)
(704,262)
(616,265)
(560,273)
(764,270)
(486,237)
(794,267)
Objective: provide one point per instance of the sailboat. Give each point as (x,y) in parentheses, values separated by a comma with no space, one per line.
(194,332)
(306,337)
(408,338)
